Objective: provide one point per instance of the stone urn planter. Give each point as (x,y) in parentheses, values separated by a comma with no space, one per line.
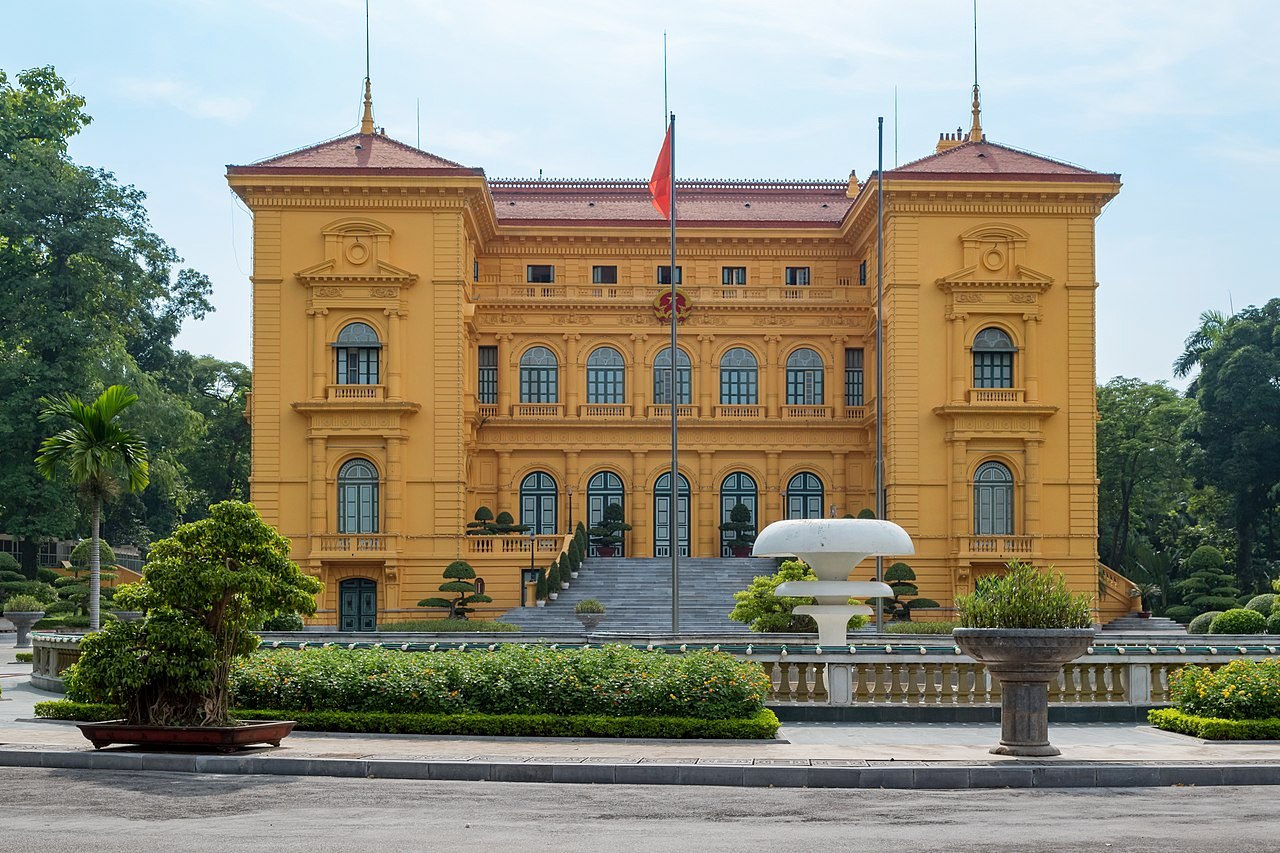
(1024,661)
(23,620)
(590,620)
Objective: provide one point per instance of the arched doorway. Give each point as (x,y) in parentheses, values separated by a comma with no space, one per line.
(538,501)
(357,605)
(662,516)
(737,488)
(804,496)
(603,489)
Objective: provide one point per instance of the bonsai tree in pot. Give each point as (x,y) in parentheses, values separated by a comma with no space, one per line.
(201,590)
(607,535)
(743,529)
(460,579)
(589,613)
(1024,625)
(24,611)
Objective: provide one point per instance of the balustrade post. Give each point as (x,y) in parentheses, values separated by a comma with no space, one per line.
(839,684)
(1138,684)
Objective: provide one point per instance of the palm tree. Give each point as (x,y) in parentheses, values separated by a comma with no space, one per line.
(96,451)
(1199,342)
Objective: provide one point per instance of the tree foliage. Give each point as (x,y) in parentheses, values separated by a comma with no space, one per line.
(201,591)
(766,612)
(459,580)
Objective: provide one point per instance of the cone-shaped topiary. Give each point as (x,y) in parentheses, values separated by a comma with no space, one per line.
(483,524)
(459,577)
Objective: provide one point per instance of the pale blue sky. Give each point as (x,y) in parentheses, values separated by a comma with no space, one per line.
(1179,97)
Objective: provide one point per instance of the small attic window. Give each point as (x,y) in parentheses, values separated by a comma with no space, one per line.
(824,204)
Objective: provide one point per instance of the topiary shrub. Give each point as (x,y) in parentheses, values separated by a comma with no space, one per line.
(866,513)
(900,577)
(48,576)
(9,563)
(1262,603)
(505,525)
(1273,623)
(83,553)
(1209,586)
(543,587)
(459,577)
(13,577)
(1200,624)
(1238,620)
(483,523)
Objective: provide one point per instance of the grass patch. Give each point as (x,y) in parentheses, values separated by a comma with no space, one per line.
(26,657)
(1210,728)
(446,626)
(920,627)
(762,726)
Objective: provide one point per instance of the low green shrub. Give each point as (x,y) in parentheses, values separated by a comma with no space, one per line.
(1241,690)
(7,576)
(759,607)
(920,627)
(70,620)
(614,681)
(48,576)
(1273,623)
(23,604)
(1200,624)
(1024,597)
(283,622)
(1238,620)
(446,626)
(26,657)
(762,725)
(588,605)
(1210,728)
(1262,603)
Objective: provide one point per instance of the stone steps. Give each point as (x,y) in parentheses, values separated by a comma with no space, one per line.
(1154,624)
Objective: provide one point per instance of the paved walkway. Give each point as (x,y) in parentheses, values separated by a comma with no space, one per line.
(912,755)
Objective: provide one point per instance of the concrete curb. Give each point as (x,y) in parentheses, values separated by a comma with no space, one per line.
(851,774)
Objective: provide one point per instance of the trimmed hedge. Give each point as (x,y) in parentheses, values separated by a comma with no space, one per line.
(1238,620)
(26,657)
(920,627)
(762,726)
(1200,624)
(1212,728)
(614,681)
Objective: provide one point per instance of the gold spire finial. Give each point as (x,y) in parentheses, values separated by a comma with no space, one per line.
(366,120)
(975,132)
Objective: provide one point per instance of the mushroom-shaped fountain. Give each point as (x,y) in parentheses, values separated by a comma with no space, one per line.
(833,547)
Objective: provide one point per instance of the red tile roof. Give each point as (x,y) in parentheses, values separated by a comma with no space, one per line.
(987,159)
(731,203)
(358,151)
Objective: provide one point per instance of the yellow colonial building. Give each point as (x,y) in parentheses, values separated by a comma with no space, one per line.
(428,341)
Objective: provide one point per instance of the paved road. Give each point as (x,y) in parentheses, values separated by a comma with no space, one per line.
(51,811)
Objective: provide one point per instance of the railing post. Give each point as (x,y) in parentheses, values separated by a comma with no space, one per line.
(839,684)
(1139,684)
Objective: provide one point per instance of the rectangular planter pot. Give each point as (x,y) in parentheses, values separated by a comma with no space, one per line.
(220,738)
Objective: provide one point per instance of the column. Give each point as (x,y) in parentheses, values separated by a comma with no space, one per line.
(769,376)
(394,481)
(572,374)
(705,375)
(955,352)
(506,379)
(1031,358)
(707,533)
(503,499)
(636,381)
(320,361)
(394,351)
(641,517)
(318,487)
(771,489)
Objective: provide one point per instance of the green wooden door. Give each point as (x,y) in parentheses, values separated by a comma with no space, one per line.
(358,605)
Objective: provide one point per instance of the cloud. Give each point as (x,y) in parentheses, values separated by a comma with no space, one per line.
(180,96)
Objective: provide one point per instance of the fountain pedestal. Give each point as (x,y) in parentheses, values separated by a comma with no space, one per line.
(833,548)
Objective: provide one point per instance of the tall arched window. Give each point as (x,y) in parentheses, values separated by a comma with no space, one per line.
(993,500)
(993,359)
(804,378)
(804,496)
(603,489)
(539,376)
(663,517)
(358,497)
(357,351)
(538,499)
(737,488)
(662,378)
(739,384)
(606,376)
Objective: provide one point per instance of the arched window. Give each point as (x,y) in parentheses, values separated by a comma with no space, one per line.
(663,516)
(993,500)
(606,377)
(662,379)
(357,350)
(739,383)
(538,499)
(993,359)
(539,376)
(804,496)
(358,497)
(603,489)
(804,378)
(737,488)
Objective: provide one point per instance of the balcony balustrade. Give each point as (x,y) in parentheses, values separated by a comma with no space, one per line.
(487,410)
(605,410)
(806,413)
(855,413)
(354,544)
(538,411)
(489,291)
(1000,546)
(996,396)
(742,412)
(664,412)
(357,392)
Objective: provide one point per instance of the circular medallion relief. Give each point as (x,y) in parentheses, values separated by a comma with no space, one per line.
(993,258)
(357,253)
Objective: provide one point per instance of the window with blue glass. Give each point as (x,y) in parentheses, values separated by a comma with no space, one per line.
(662,379)
(606,376)
(993,359)
(804,378)
(993,500)
(358,497)
(739,378)
(853,377)
(357,350)
(487,386)
(539,376)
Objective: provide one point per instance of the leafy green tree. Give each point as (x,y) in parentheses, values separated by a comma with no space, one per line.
(766,612)
(201,591)
(1200,342)
(1236,443)
(96,453)
(459,579)
(87,291)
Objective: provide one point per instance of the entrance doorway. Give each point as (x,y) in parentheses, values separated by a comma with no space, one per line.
(603,489)
(662,516)
(358,605)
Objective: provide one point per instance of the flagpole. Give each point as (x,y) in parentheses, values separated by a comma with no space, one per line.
(880,501)
(673,514)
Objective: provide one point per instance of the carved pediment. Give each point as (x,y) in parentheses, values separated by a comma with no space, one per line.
(993,259)
(356,251)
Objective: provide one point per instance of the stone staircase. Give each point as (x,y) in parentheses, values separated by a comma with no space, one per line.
(1152,625)
(636,593)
